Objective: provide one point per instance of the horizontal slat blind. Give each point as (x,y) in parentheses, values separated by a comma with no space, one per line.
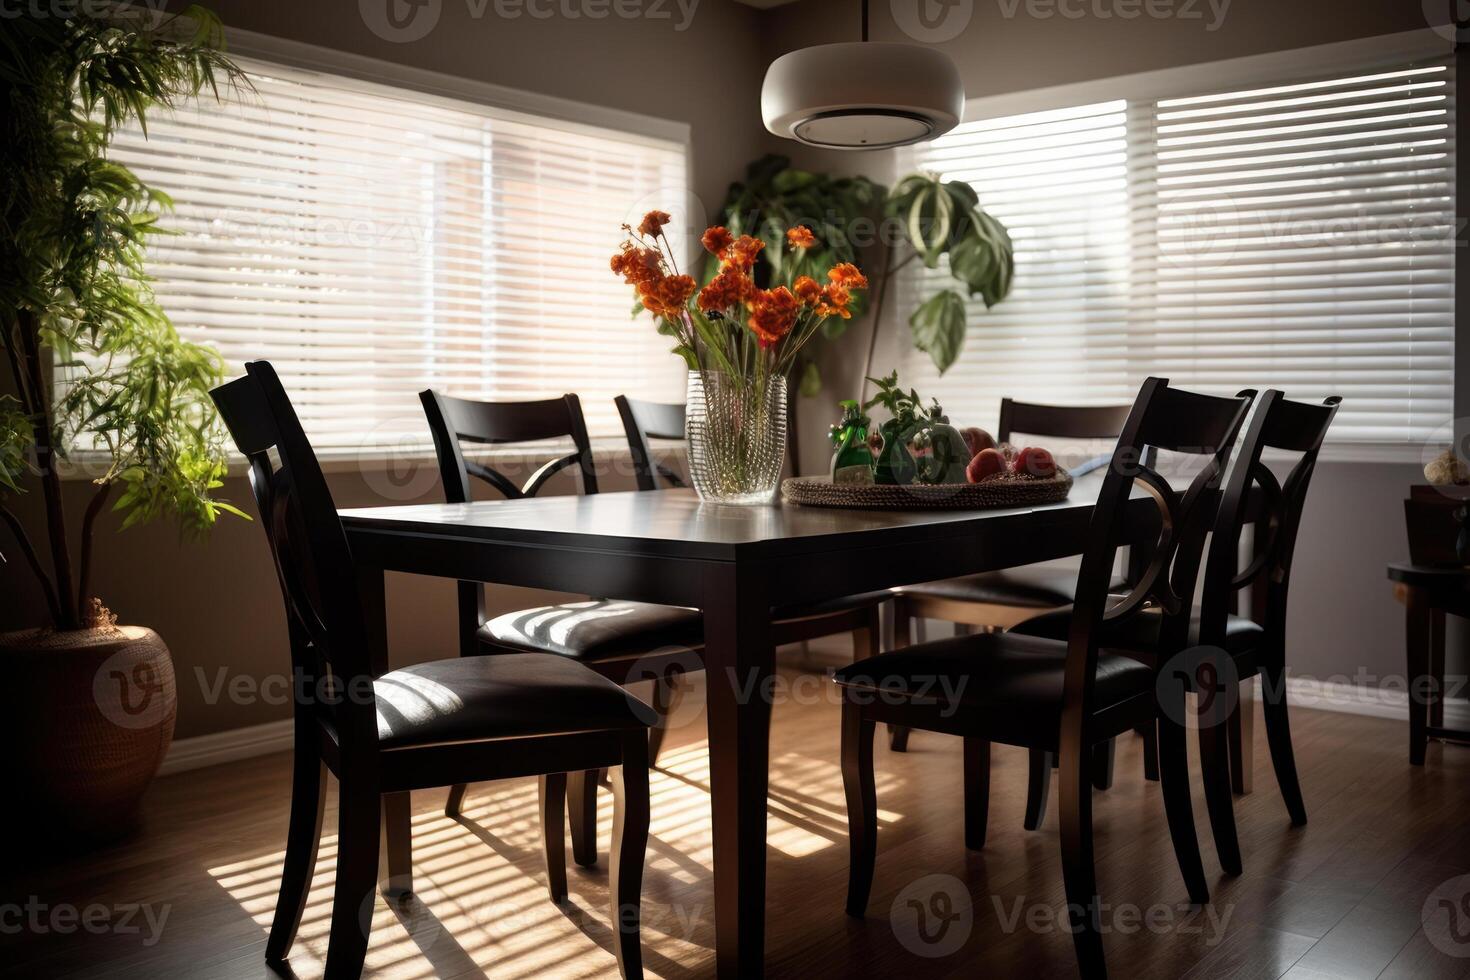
(372,243)
(1297,236)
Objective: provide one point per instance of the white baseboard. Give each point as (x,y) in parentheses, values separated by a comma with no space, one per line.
(230,746)
(1375,702)
(244,743)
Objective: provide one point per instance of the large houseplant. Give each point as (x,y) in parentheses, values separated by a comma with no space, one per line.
(98,372)
(923,218)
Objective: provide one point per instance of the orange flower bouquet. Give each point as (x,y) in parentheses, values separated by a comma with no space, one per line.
(739,342)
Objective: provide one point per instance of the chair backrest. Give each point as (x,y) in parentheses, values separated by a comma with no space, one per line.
(1278,424)
(1162,419)
(645,420)
(324,612)
(455,421)
(1061,421)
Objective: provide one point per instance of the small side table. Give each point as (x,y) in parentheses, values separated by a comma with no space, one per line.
(1428,593)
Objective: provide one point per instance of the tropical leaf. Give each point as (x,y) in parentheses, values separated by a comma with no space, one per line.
(939,328)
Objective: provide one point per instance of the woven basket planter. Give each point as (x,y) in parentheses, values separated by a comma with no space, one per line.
(91,715)
(1001,492)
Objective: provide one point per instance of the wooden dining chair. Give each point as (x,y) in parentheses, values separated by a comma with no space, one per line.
(384,733)
(1255,644)
(998,599)
(1062,696)
(623,641)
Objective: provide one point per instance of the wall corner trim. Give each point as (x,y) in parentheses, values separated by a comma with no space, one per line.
(230,746)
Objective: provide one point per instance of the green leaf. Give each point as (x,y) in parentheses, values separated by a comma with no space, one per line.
(939,328)
(973,263)
(691,360)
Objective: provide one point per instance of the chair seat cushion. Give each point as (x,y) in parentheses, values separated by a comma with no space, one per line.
(828,607)
(1015,682)
(508,696)
(1140,632)
(598,629)
(1031,587)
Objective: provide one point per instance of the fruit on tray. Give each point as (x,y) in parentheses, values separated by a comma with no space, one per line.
(987,465)
(1035,461)
(977,439)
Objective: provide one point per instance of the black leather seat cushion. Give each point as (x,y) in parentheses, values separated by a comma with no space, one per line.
(607,629)
(1140,632)
(598,629)
(1029,587)
(1016,681)
(475,698)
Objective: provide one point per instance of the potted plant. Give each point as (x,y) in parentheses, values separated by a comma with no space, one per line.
(922,219)
(739,341)
(98,374)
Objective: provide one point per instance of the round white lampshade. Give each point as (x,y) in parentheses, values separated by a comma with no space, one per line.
(862,95)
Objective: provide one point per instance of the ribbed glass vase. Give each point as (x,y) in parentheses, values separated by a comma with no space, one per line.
(736,429)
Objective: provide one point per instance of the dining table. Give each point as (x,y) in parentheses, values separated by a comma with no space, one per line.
(733,562)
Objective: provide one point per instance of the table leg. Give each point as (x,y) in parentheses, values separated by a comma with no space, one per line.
(1436,667)
(739,665)
(1416,653)
(1241,736)
(395,867)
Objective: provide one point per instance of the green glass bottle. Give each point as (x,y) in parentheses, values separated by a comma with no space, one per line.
(852,460)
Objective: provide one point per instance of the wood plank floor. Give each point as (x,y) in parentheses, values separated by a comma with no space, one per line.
(1340,898)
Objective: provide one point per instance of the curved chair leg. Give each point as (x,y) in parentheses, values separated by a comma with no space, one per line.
(898,735)
(625,859)
(396,867)
(582,811)
(663,703)
(308,801)
(455,804)
(551,797)
(1174,782)
(1214,753)
(977,792)
(359,827)
(1278,734)
(862,806)
(1038,786)
(1078,871)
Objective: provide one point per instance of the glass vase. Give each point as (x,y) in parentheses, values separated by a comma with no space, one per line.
(736,429)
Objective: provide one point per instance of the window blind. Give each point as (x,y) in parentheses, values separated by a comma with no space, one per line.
(373,242)
(1297,236)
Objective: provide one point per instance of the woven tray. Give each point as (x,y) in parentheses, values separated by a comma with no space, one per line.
(1006,491)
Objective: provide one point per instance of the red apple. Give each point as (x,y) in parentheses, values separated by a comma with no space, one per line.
(987,464)
(976,440)
(1037,462)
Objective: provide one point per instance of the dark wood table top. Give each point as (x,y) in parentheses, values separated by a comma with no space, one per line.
(674,523)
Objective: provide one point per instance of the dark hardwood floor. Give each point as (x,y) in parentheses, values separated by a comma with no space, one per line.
(1340,898)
